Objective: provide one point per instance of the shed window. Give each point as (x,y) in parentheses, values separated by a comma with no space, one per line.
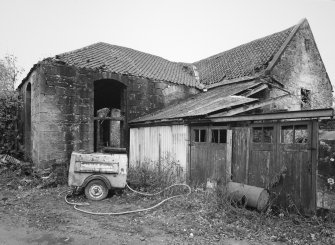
(294,134)
(199,135)
(262,135)
(219,136)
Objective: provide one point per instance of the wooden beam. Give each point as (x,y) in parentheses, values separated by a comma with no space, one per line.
(255,90)
(225,82)
(329,112)
(229,155)
(247,107)
(109,118)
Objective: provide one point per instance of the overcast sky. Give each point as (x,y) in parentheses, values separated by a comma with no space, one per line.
(178,30)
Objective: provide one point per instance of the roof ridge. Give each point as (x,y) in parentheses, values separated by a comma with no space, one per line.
(79,49)
(123,47)
(243,44)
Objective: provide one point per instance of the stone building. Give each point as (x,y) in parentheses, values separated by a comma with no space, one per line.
(280,76)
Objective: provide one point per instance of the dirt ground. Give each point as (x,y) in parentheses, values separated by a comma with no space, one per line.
(41,216)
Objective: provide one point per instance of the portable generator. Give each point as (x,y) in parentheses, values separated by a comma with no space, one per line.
(98,173)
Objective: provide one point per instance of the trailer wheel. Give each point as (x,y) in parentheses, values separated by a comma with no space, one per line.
(96,190)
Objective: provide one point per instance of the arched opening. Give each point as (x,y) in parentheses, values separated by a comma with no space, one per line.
(109,115)
(28,120)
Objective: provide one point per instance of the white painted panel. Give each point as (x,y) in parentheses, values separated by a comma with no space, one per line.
(159,143)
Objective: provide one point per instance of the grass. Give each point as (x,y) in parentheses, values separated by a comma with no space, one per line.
(212,212)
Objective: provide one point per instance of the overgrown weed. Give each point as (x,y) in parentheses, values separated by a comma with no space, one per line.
(154,175)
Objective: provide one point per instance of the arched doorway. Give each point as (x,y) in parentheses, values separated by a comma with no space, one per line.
(109,115)
(27,119)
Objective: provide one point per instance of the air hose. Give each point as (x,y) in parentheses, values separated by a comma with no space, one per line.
(76,205)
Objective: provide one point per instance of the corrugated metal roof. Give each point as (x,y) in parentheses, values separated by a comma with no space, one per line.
(204,103)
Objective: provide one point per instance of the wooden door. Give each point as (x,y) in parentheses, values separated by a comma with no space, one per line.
(295,154)
(263,148)
(240,154)
(208,154)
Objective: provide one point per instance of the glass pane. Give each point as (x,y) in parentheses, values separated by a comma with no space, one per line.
(287,134)
(223,136)
(268,134)
(257,135)
(301,134)
(203,135)
(215,136)
(196,135)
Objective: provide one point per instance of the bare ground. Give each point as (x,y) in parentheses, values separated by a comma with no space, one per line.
(41,216)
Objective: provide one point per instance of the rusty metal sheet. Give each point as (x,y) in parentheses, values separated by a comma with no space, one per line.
(204,103)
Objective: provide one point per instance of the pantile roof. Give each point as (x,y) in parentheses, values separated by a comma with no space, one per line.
(245,60)
(128,61)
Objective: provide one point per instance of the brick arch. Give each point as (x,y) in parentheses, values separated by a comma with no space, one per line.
(112,76)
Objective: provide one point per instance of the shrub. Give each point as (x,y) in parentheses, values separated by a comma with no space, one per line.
(150,175)
(10,103)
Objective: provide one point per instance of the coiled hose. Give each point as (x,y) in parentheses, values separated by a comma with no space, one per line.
(76,205)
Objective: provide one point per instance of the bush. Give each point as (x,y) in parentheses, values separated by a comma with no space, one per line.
(9,108)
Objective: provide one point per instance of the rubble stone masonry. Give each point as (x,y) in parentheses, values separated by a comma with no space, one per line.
(63,107)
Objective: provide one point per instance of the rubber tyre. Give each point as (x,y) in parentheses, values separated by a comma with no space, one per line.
(96,190)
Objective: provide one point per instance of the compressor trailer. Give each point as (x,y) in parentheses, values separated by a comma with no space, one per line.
(97,173)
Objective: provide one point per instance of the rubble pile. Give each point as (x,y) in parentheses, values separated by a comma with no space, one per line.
(16,174)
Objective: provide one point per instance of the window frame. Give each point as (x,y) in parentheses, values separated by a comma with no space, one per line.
(294,134)
(262,126)
(193,135)
(219,133)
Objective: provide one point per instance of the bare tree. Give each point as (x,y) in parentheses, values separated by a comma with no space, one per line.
(9,72)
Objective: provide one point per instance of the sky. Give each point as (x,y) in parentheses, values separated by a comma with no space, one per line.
(177,30)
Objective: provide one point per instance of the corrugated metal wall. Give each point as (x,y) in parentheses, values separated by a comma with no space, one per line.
(159,143)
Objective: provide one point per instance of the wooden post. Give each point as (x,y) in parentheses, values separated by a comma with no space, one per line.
(229,155)
(115,129)
(98,135)
(247,155)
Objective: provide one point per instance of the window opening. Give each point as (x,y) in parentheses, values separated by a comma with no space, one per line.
(199,135)
(109,118)
(295,134)
(219,136)
(267,134)
(301,134)
(257,135)
(196,135)
(305,99)
(203,135)
(262,135)
(287,134)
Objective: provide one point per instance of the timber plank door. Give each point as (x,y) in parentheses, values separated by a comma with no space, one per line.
(295,149)
(284,150)
(263,150)
(208,154)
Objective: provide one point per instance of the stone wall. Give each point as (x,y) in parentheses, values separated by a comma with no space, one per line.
(301,66)
(63,107)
